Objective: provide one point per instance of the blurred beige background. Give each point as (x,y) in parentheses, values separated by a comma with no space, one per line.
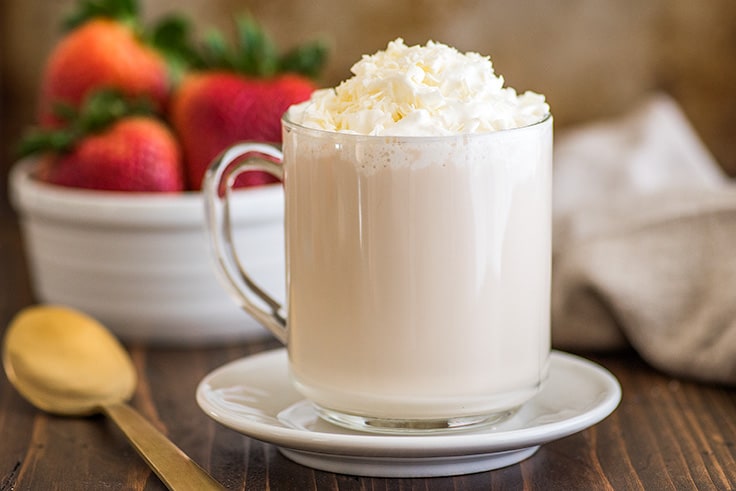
(592,58)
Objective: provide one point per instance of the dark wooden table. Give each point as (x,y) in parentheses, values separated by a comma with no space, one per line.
(666,434)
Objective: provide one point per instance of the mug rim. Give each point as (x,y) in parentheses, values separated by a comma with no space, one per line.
(286,122)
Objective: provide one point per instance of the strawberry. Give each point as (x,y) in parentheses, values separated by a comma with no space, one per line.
(214,110)
(134,154)
(239,96)
(107,47)
(110,146)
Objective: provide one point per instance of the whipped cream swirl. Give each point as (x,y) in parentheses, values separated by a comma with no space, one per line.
(427,90)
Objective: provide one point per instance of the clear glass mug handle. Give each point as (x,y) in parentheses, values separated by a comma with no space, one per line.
(217,187)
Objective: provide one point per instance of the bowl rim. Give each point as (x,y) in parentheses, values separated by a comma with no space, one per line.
(31,197)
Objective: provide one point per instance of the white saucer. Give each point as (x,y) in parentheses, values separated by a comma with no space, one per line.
(254,396)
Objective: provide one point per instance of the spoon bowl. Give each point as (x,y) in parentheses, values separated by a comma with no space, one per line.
(65,362)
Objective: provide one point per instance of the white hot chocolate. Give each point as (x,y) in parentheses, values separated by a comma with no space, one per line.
(418,229)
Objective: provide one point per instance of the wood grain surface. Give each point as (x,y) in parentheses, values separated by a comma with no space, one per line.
(666,434)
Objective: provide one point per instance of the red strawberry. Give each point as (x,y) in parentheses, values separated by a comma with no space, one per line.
(135,154)
(240,97)
(101,53)
(130,152)
(107,47)
(214,110)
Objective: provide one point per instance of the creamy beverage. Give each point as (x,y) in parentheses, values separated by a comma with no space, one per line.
(419,271)
(418,242)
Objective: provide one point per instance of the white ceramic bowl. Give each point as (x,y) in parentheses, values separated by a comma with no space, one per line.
(141,263)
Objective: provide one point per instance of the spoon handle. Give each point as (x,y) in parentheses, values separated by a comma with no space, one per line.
(175,469)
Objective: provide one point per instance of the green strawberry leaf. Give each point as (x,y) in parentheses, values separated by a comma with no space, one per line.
(125,11)
(171,37)
(307,60)
(38,141)
(104,107)
(99,110)
(256,55)
(216,52)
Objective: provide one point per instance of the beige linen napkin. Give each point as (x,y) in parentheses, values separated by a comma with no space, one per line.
(645,244)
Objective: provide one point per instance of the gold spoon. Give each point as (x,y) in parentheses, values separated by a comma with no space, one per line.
(67,363)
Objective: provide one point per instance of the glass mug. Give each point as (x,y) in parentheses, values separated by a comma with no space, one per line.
(417,269)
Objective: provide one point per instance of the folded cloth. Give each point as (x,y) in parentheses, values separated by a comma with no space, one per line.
(644,244)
